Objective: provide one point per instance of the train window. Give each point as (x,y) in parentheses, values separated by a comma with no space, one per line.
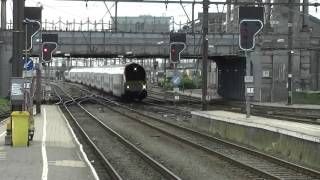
(135,72)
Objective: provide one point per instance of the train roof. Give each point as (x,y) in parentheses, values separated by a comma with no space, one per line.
(114,69)
(109,70)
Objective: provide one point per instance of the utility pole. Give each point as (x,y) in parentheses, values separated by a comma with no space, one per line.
(305,20)
(268,15)
(38,81)
(116,17)
(204,53)
(192,23)
(290,53)
(18,42)
(38,89)
(228,18)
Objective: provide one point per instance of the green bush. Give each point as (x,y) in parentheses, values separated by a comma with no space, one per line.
(4,105)
(187,83)
(167,84)
(306,97)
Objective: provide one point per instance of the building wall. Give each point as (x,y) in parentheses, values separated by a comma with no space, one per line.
(270,70)
(314,24)
(215,22)
(143,24)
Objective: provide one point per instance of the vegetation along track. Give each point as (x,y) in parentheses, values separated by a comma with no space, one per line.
(264,165)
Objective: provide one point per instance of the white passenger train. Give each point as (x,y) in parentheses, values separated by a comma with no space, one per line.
(127,81)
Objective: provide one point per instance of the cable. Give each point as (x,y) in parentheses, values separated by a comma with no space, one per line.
(109,11)
(185,11)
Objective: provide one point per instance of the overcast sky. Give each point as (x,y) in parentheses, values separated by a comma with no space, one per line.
(69,10)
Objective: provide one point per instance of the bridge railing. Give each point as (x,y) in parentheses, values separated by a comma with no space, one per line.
(93,25)
(72,25)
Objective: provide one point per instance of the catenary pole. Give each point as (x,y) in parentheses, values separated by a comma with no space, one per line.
(18,43)
(204,53)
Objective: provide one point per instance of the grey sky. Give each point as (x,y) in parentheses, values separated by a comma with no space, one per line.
(67,10)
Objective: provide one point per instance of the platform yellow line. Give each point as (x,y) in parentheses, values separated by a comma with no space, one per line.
(43,147)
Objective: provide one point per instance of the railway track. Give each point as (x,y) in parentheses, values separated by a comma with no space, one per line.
(257,110)
(261,164)
(123,160)
(102,166)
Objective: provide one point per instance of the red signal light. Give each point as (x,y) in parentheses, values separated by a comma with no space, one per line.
(173,50)
(45,50)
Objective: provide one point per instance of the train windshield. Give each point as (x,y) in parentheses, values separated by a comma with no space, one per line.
(135,72)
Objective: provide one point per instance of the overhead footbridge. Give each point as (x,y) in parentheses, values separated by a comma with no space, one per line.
(140,45)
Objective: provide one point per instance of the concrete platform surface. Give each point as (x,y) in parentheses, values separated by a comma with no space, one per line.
(197,93)
(308,132)
(54,153)
(294,106)
(292,141)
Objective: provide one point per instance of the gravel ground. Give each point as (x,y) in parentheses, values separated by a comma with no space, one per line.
(95,161)
(126,162)
(185,161)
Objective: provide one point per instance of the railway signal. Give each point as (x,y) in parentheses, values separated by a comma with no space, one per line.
(248,30)
(176,49)
(47,50)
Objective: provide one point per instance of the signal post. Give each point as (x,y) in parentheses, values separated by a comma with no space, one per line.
(251,23)
(177,45)
(48,47)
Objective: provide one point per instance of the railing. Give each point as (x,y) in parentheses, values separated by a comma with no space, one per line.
(72,25)
(101,25)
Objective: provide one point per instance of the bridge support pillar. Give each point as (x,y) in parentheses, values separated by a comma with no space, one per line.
(3,14)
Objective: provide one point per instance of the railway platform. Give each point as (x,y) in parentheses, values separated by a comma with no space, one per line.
(54,153)
(196,94)
(293,141)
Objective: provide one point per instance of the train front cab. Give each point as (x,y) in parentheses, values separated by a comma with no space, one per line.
(135,81)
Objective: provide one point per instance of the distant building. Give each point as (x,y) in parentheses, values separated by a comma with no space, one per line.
(216,22)
(314,25)
(143,24)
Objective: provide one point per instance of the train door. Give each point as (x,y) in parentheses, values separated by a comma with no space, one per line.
(117,84)
(101,81)
(111,83)
(121,85)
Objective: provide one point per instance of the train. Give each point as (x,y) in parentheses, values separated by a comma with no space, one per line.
(126,81)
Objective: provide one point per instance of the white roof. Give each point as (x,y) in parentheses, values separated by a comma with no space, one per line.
(108,70)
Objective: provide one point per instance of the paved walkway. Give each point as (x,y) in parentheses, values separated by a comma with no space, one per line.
(53,154)
(295,106)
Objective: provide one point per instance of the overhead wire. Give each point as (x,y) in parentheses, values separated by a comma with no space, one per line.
(185,11)
(105,4)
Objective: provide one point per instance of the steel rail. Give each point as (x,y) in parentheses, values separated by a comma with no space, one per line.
(256,110)
(210,151)
(106,163)
(161,169)
(111,170)
(275,160)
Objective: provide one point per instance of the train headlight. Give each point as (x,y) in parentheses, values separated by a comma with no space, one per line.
(128,86)
(144,86)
